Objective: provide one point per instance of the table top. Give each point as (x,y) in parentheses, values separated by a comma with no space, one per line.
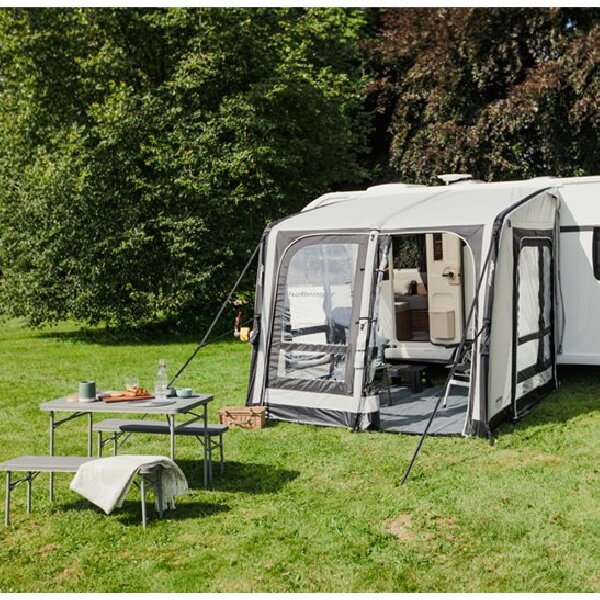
(171,406)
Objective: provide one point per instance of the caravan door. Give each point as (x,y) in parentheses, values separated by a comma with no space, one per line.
(444,287)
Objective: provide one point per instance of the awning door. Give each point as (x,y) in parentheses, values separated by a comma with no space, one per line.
(319,289)
(533,302)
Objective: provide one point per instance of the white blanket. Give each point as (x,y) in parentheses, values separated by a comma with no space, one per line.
(106,481)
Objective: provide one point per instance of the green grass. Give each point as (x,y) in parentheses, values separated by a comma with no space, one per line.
(302,508)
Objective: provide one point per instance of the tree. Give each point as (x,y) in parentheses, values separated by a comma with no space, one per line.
(498,92)
(145,150)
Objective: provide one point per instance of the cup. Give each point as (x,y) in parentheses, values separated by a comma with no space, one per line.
(87,391)
(160,390)
(131,383)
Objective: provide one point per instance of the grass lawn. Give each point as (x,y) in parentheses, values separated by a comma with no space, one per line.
(301,508)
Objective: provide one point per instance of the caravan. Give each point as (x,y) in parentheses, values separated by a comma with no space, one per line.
(498,279)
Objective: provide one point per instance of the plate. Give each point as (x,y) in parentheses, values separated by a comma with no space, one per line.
(155,403)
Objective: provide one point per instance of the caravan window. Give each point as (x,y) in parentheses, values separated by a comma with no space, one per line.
(596,252)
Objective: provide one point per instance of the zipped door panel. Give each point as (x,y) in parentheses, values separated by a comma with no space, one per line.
(318,294)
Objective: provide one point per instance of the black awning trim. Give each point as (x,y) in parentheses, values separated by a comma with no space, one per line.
(575,228)
(327,348)
(530,372)
(536,335)
(309,330)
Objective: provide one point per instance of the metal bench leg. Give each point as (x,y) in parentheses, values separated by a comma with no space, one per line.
(115,444)
(143,492)
(210,458)
(7,500)
(206,445)
(221,460)
(29,493)
(51,476)
(99,444)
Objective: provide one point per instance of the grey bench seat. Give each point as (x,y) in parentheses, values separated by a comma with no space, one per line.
(128,426)
(45,464)
(33,465)
(144,426)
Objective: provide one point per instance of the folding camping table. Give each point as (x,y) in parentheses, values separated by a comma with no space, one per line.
(171,407)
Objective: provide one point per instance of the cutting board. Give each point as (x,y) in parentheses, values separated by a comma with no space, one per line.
(109,397)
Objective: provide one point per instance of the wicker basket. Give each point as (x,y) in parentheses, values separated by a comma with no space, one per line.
(242,417)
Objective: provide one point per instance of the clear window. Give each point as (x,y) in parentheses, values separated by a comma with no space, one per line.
(409,252)
(318,299)
(409,284)
(438,246)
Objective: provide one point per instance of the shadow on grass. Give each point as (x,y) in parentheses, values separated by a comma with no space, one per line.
(578,394)
(247,477)
(131,511)
(150,337)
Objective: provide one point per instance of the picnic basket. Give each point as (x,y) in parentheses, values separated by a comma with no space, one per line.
(242,417)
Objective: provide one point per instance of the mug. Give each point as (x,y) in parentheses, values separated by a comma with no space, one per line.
(87,391)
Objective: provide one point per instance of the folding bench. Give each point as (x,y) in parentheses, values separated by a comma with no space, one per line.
(34,465)
(120,427)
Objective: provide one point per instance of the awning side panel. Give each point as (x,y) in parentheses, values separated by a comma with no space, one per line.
(524,282)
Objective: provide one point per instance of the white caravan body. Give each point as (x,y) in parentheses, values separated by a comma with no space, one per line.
(494,270)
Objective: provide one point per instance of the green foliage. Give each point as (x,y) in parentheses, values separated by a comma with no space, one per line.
(145,150)
(300,508)
(497,92)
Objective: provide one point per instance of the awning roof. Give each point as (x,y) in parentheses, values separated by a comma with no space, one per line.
(390,208)
(396,207)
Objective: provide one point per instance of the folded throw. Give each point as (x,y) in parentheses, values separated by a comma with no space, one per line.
(106,481)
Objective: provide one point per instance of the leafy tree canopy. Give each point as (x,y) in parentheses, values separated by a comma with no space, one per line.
(498,92)
(143,151)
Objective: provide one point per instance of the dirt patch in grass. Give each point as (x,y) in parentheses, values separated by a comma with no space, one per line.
(69,574)
(522,458)
(400,527)
(48,549)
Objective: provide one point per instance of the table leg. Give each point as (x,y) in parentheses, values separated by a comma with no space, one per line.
(206,443)
(221,459)
(51,474)
(7,500)
(90,428)
(416,386)
(172,432)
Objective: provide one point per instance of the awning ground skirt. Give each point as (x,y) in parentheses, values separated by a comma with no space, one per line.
(409,413)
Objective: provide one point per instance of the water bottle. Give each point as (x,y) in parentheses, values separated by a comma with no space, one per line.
(161,383)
